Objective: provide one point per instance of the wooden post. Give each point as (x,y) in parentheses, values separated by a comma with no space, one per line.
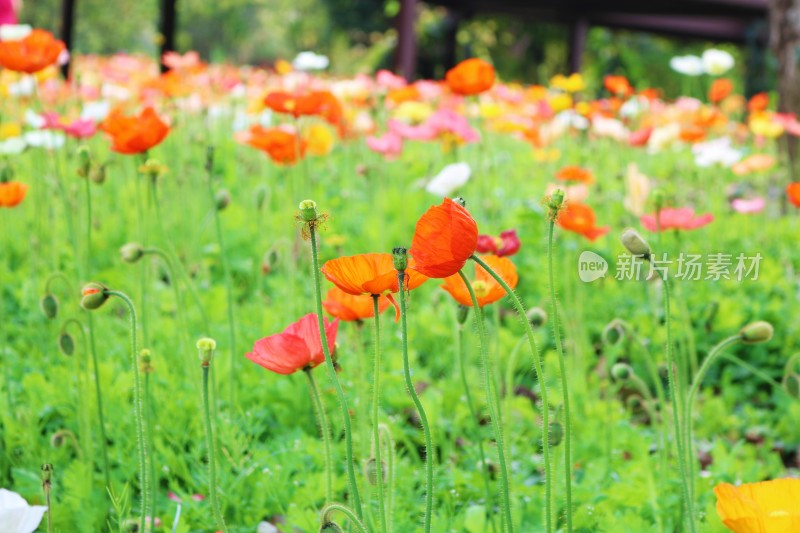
(407,39)
(67,24)
(168,23)
(578,32)
(784,17)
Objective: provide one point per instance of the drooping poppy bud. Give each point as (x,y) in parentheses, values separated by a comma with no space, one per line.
(536,316)
(621,371)
(635,244)
(757,332)
(614,332)
(222,199)
(66,343)
(555,434)
(49,306)
(131,252)
(93,295)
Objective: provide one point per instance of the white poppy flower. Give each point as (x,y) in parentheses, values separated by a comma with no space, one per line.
(12,146)
(687,65)
(34,119)
(96,111)
(719,151)
(24,87)
(451,178)
(310,61)
(48,139)
(572,119)
(16,516)
(717,62)
(14,32)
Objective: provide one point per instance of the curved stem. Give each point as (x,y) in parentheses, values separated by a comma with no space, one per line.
(476,426)
(423,418)
(58,275)
(564,381)
(137,403)
(331,507)
(348,432)
(322,420)
(148,408)
(212,468)
(537,366)
(490,401)
(376,388)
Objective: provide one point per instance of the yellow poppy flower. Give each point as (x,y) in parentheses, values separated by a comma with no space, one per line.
(766,507)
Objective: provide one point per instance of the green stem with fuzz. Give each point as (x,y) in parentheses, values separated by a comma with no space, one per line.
(331,507)
(376,376)
(322,420)
(348,432)
(490,401)
(148,408)
(212,467)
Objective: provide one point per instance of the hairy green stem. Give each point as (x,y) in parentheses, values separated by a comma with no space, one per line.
(322,420)
(389,441)
(376,376)
(331,507)
(212,467)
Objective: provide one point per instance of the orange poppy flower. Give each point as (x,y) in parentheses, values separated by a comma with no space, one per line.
(409,93)
(720,90)
(766,507)
(471,76)
(348,307)
(486,288)
(12,193)
(580,219)
(322,103)
(758,102)
(753,163)
(692,133)
(37,51)
(134,135)
(618,85)
(283,147)
(650,93)
(444,238)
(575,173)
(793,192)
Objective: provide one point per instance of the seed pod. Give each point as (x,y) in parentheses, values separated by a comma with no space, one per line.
(66,343)
(308,211)
(205,349)
(331,527)
(400,258)
(49,306)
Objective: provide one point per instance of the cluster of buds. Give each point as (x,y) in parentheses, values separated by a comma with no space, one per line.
(87,168)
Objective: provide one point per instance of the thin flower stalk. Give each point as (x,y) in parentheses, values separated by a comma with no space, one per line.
(322,421)
(376,388)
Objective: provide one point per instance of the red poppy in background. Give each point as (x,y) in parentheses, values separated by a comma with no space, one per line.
(792,191)
(487,289)
(12,193)
(640,137)
(298,347)
(580,219)
(618,85)
(281,146)
(36,51)
(758,102)
(720,90)
(134,135)
(676,218)
(347,307)
(507,244)
(444,238)
(575,173)
(471,76)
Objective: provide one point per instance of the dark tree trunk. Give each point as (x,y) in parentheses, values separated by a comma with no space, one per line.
(67,25)
(168,23)
(784,19)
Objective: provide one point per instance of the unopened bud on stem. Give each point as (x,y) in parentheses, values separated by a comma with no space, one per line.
(757,332)
(94,295)
(635,244)
(205,350)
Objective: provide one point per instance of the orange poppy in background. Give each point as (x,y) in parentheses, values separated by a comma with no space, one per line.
(444,238)
(409,93)
(765,507)
(36,51)
(12,193)
(369,274)
(348,307)
(471,76)
(793,192)
(618,85)
(720,90)
(281,146)
(575,173)
(580,219)
(487,289)
(758,102)
(134,135)
(692,133)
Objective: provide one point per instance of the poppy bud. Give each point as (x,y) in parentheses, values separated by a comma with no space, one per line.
(97,174)
(460,201)
(372,471)
(757,332)
(330,527)
(261,196)
(536,316)
(614,332)
(153,168)
(47,473)
(554,204)
(93,295)
(555,434)
(145,360)
(49,305)
(400,257)
(621,372)
(308,210)
(205,348)
(791,384)
(131,252)
(635,244)
(66,343)
(462,313)
(222,199)
(84,161)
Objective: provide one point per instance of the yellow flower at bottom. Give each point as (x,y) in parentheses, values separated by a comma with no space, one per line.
(766,507)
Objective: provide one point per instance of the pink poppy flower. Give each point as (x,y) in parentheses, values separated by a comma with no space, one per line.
(448,121)
(423,132)
(298,347)
(677,218)
(389,80)
(640,137)
(389,145)
(507,244)
(82,128)
(754,205)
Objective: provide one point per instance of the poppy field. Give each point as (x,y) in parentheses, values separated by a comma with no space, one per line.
(268,299)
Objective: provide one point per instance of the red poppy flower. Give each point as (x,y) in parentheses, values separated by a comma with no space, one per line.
(580,218)
(298,347)
(471,76)
(640,137)
(792,191)
(134,135)
(506,245)
(758,102)
(681,218)
(445,237)
(12,193)
(283,147)
(348,307)
(36,51)
(575,173)
(319,103)
(487,289)
(720,90)
(618,85)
